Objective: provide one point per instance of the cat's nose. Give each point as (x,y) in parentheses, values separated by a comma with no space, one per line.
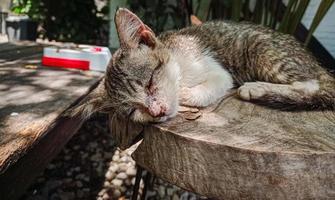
(157,110)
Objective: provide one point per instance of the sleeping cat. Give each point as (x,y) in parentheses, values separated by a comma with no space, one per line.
(150,76)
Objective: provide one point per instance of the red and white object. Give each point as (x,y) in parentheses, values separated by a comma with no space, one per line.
(82,57)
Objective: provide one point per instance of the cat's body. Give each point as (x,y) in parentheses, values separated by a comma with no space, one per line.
(149,76)
(253,53)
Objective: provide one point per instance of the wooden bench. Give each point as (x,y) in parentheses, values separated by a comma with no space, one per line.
(32,98)
(239,150)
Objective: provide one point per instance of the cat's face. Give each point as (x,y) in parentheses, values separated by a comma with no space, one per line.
(142,78)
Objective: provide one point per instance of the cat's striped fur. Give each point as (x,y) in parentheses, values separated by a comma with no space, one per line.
(150,76)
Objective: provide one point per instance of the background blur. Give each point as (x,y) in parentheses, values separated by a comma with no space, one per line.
(33,92)
(91,21)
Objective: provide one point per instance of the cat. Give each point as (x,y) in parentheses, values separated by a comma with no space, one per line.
(149,76)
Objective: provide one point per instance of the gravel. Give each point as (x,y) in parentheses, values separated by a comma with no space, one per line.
(91,167)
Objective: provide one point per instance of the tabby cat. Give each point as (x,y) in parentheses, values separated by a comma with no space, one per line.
(150,76)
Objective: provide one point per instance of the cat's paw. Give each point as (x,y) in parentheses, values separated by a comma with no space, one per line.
(192,97)
(252,90)
(186,97)
(198,96)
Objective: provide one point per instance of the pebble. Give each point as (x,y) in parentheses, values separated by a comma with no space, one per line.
(80,176)
(93,145)
(14,114)
(169,191)
(116,158)
(114,168)
(67,157)
(128,182)
(131,171)
(96,157)
(100,169)
(133,181)
(161,191)
(110,175)
(123,167)
(116,193)
(86,190)
(124,159)
(105,196)
(76,147)
(80,194)
(51,166)
(123,189)
(87,179)
(175,197)
(79,184)
(67,195)
(117,182)
(102,192)
(122,176)
(107,184)
(85,155)
(81,168)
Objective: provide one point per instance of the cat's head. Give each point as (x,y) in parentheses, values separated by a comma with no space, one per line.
(141,80)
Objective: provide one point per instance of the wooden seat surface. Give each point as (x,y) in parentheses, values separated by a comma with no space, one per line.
(239,150)
(31,99)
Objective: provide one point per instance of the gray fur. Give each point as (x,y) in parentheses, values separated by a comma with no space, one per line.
(251,53)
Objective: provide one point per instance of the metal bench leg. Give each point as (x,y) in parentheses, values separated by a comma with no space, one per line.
(137,182)
(148,182)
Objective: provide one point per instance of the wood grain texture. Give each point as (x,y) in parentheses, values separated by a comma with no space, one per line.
(32,99)
(244,151)
(124,131)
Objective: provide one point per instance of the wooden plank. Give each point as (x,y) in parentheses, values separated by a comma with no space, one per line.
(36,95)
(18,50)
(32,99)
(15,180)
(242,151)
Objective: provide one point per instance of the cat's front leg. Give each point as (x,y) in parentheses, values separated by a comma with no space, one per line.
(297,94)
(205,93)
(193,96)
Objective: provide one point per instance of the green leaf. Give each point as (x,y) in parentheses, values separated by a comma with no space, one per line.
(236,10)
(299,13)
(203,9)
(287,14)
(258,12)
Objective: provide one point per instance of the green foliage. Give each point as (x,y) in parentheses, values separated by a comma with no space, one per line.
(268,13)
(161,14)
(167,14)
(32,8)
(80,21)
(76,21)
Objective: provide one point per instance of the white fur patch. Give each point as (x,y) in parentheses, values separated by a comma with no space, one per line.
(203,79)
(308,87)
(169,84)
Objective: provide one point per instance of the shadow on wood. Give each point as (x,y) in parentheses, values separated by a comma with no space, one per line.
(242,150)
(32,100)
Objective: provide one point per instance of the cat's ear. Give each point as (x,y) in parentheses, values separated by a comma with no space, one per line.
(132,31)
(94,102)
